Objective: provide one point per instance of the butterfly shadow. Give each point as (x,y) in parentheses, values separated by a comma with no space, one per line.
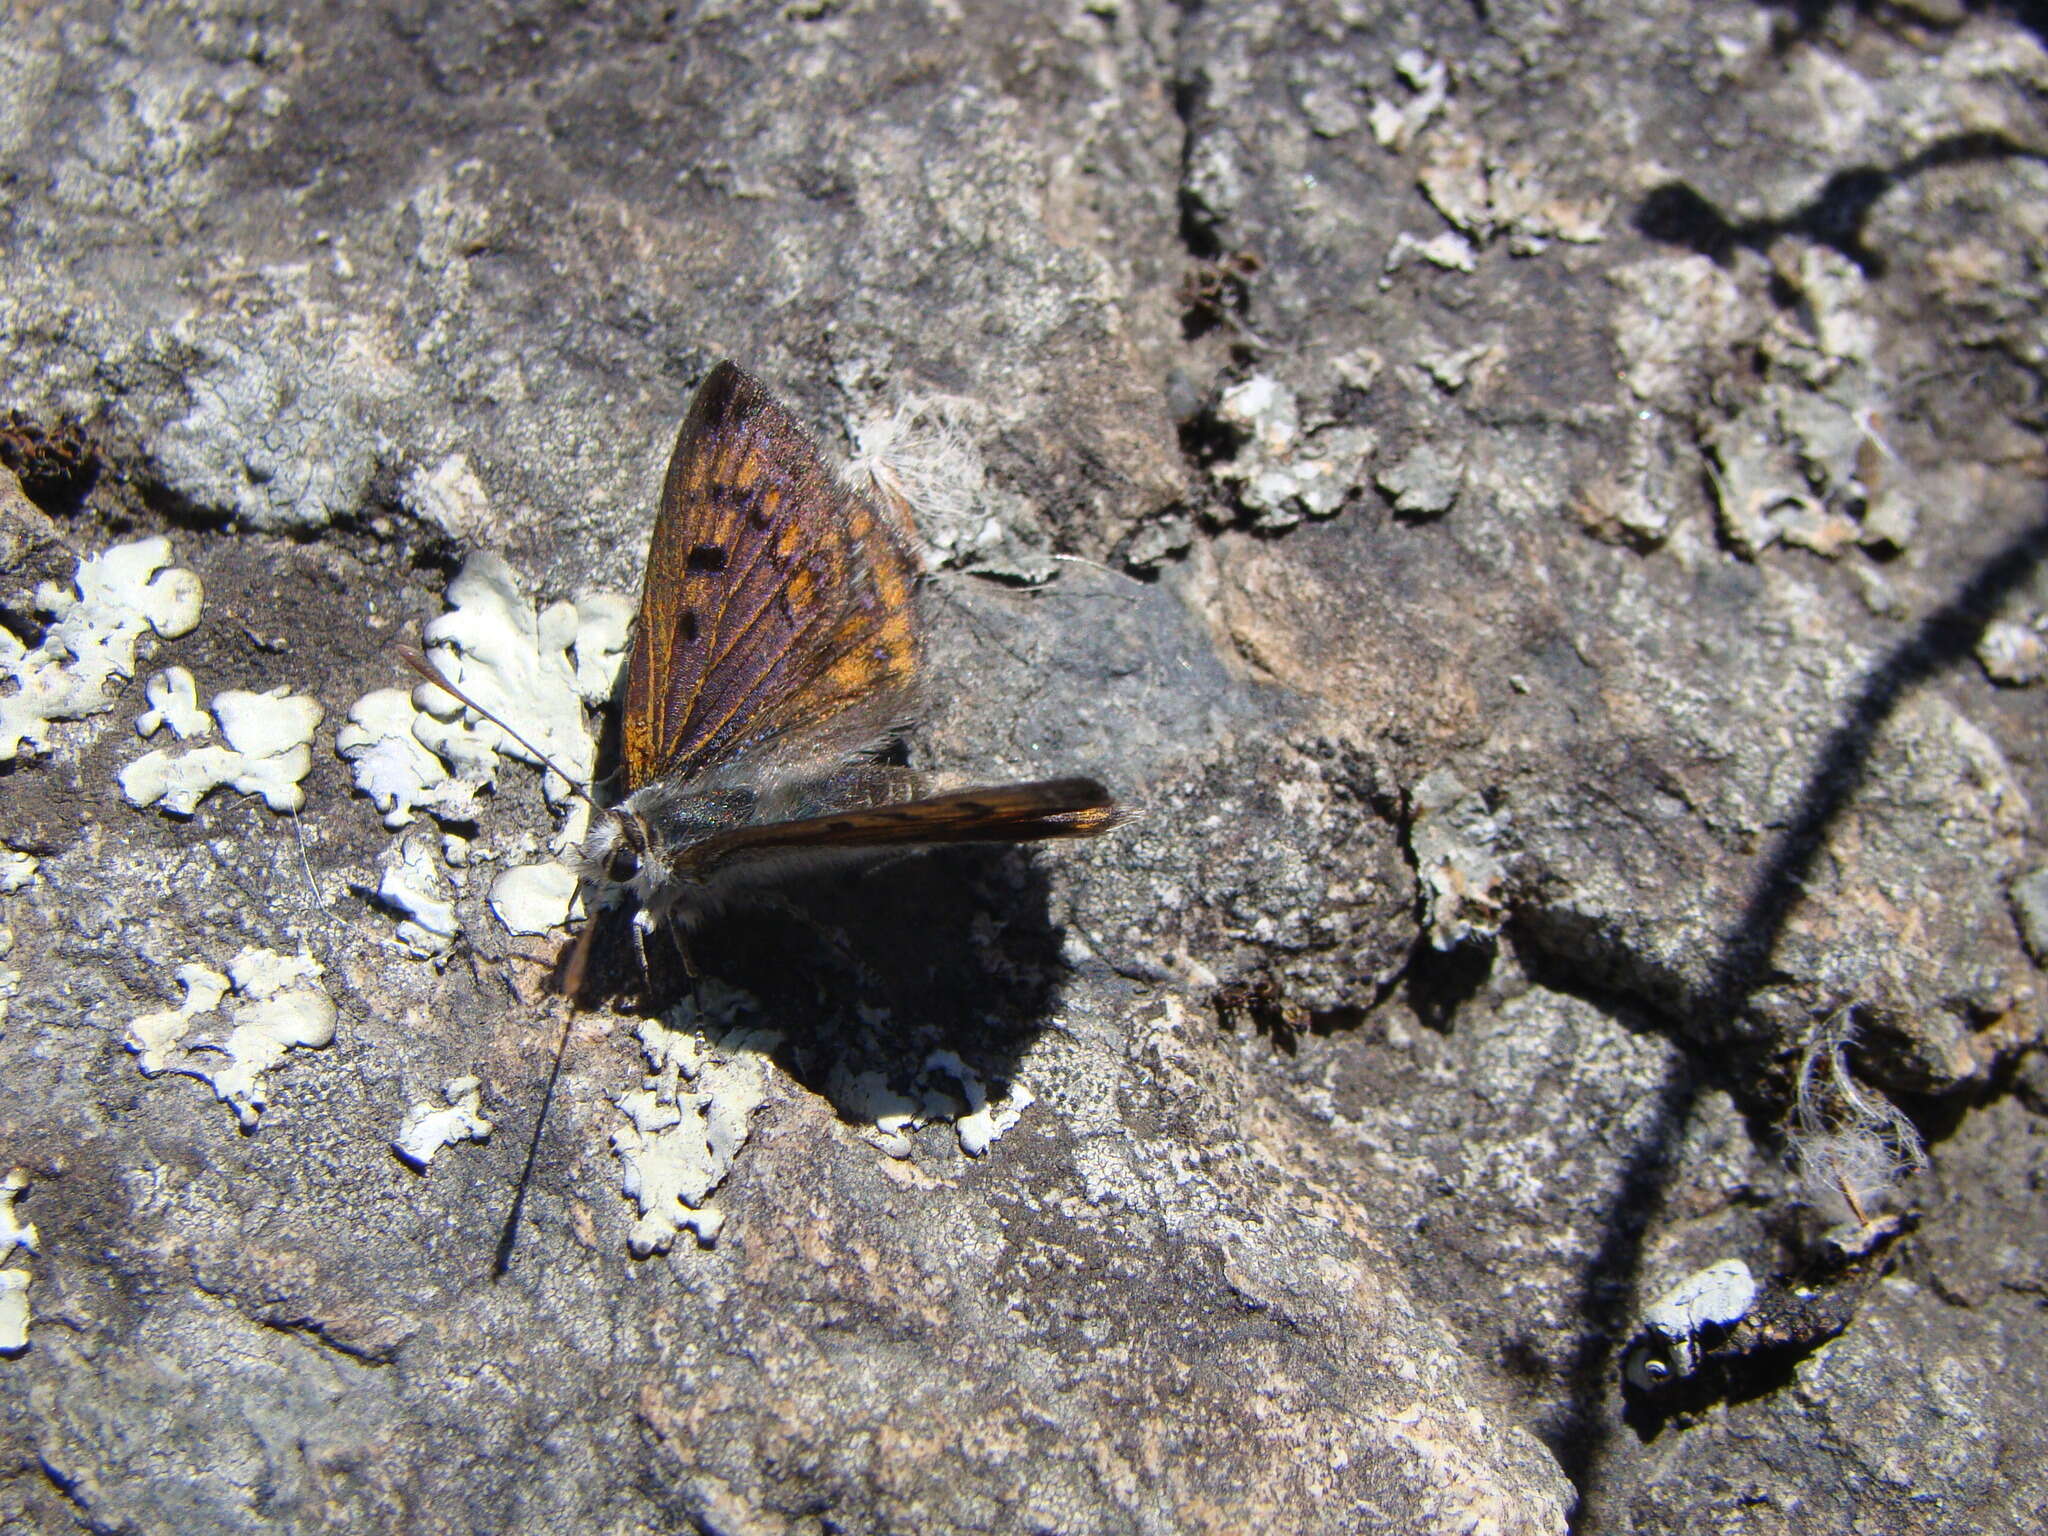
(867,972)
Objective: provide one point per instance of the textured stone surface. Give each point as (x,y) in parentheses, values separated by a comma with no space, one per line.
(1544,484)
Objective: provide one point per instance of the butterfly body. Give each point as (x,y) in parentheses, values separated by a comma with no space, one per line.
(773,667)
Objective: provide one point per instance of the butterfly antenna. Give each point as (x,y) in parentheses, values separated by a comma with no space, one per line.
(415,658)
(509,1233)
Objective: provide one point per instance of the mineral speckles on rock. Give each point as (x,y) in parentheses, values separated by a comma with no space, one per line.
(279,1006)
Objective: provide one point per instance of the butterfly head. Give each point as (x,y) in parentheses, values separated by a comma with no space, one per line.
(616,848)
(652,844)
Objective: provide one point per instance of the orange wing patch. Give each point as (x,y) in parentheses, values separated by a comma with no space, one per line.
(776,600)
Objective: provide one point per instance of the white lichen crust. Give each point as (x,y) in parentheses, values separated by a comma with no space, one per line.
(424,750)
(269,748)
(118,599)
(281,1006)
(413,883)
(679,1143)
(946,1092)
(1284,470)
(427,1127)
(533,898)
(14,1281)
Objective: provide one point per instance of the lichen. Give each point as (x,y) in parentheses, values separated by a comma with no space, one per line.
(280,1007)
(1281,471)
(1453,838)
(14,1233)
(413,883)
(535,671)
(679,1144)
(427,1127)
(17,870)
(533,898)
(423,750)
(946,1091)
(14,1279)
(269,748)
(118,599)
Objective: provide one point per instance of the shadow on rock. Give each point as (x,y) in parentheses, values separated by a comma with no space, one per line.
(1940,640)
(872,970)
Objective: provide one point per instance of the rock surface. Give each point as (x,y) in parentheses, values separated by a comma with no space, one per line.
(1557,504)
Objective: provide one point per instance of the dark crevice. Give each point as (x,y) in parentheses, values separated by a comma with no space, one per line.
(1802,21)
(73,1494)
(1197,222)
(307,1328)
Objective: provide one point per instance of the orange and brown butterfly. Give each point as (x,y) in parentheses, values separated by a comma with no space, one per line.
(774,662)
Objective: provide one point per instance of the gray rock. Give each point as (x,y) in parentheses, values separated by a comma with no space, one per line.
(1181,1180)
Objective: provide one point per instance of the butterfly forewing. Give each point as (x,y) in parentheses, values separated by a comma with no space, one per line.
(1003,813)
(776,600)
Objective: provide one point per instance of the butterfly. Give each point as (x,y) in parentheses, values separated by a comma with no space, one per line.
(774,667)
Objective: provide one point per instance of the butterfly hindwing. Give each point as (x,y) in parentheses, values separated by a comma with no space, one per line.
(999,813)
(775,600)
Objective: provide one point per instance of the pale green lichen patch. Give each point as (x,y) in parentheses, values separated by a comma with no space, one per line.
(279,1006)
(14,1314)
(17,870)
(118,599)
(1284,470)
(17,873)
(14,1280)
(394,767)
(10,980)
(534,670)
(268,751)
(690,1117)
(427,1128)
(14,1232)
(413,883)
(173,696)
(1453,836)
(532,898)
(945,1091)
(424,750)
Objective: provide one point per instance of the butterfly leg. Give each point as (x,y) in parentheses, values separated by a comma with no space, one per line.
(682,949)
(640,954)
